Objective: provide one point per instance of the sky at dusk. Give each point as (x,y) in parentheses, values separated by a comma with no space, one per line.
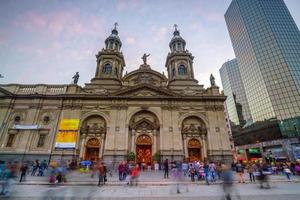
(47,41)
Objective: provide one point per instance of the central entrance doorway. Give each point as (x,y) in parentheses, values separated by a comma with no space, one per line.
(194,150)
(92,150)
(144,149)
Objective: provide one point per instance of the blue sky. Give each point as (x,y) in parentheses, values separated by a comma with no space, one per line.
(47,41)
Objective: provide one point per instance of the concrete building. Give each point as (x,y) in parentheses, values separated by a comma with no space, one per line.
(266,42)
(143,112)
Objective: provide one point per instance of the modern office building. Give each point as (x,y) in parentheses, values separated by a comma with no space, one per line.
(236,102)
(266,43)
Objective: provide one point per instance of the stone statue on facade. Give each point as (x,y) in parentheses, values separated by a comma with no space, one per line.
(212,80)
(145,58)
(75,78)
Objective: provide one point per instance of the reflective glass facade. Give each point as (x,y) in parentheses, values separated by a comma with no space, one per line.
(266,43)
(234,88)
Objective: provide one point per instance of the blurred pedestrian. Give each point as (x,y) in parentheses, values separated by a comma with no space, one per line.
(227,185)
(36,166)
(135,175)
(263,175)
(102,174)
(23,170)
(240,171)
(287,172)
(206,172)
(166,168)
(251,169)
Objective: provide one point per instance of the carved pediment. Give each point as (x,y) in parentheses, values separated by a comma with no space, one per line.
(144,90)
(4,92)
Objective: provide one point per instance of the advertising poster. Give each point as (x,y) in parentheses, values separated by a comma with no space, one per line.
(67,134)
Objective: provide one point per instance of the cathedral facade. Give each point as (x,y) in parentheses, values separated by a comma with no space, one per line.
(143,112)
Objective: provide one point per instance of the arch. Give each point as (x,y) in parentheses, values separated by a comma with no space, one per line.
(93,143)
(94,113)
(198,115)
(107,68)
(143,140)
(138,110)
(182,70)
(194,143)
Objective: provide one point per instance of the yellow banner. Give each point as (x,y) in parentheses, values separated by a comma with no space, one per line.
(66,139)
(69,124)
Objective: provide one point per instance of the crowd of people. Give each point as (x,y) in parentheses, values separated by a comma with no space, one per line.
(129,172)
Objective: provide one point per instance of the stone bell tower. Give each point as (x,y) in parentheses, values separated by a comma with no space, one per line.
(110,63)
(179,63)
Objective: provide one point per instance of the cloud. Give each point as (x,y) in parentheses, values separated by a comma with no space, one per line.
(127,4)
(130,40)
(61,23)
(161,33)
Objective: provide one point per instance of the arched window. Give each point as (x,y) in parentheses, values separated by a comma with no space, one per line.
(179,46)
(107,69)
(181,70)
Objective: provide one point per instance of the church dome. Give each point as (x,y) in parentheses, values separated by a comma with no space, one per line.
(177,43)
(113,41)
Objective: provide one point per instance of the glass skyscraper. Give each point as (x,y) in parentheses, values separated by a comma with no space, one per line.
(266,42)
(234,90)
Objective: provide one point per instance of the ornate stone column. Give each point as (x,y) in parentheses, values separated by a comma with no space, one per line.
(101,146)
(82,147)
(133,140)
(204,149)
(154,141)
(185,147)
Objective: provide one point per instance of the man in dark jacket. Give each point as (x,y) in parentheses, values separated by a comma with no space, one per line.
(166,168)
(23,170)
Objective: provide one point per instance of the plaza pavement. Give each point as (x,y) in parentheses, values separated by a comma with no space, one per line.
(278,191)
(146,178)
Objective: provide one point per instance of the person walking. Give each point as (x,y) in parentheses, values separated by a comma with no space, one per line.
(135,175)
(102,174)
(206,173)
(121,169)
(23,170)
(287,172)
(251,169)
(227,185)
(240,171)
(166,168)
(36,166)
(212,171)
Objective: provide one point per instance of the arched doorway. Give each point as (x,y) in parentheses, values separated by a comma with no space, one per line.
(194,150)
(144,135)
(144,149)
(193,130)
(92,149)
(92,138)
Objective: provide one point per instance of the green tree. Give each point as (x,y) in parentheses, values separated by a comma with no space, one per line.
(131,156)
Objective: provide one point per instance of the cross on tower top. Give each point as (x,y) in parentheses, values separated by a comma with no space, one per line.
(115,25)
(175,26)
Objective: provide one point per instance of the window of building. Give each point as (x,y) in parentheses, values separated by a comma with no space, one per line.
(17,119)
(46,119)
(41,141)
(182,70)
(107,68)
(10,140)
